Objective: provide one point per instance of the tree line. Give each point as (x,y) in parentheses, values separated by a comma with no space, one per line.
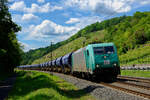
(10,49)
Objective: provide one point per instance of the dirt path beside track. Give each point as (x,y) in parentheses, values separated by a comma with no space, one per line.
(6,86)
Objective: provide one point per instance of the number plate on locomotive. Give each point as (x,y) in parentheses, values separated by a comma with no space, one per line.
(106,62)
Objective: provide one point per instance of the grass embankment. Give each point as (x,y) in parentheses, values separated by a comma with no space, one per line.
(136,73)
(139,55)
(32,85)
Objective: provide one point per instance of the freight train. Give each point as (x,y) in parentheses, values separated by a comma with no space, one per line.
(95,60)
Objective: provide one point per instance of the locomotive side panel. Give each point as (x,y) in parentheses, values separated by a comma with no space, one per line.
(79,61)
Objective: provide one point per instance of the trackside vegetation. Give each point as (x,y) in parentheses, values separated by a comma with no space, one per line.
(139,55)
(34,85)
(136,73)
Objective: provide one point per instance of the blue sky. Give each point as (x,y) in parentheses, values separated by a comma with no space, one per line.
(43,21)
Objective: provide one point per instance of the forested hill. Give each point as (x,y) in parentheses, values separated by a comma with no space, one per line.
(127,32)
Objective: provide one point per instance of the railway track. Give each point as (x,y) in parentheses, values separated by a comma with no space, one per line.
(126,84)
(134,85)
(137,79)
(145,95)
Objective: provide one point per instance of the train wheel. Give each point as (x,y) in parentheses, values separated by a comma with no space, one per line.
(82,75)
(88,76)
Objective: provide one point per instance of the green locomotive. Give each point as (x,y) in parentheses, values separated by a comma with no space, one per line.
(97,59)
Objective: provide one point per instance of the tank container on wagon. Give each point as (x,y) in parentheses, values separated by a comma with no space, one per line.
(66,60)
(59,62)
(54,63)
(44,65)
(49,63)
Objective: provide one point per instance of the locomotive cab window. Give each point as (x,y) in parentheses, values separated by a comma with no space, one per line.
(109,49)
(87,52)
(103,50)
(98,50)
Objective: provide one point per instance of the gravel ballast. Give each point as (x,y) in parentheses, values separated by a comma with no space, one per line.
(99,91)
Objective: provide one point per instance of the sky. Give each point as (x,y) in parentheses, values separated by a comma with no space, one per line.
(45,21)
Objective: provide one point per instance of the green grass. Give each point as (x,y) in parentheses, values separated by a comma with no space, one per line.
(139,55)
(32,85)
(136,73)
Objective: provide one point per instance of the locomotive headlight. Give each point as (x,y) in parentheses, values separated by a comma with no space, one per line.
(97,65)
(115,64)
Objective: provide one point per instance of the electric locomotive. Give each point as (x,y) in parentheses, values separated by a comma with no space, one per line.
(97,59)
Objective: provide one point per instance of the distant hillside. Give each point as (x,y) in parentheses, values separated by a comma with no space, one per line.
(127,32)
(140,55)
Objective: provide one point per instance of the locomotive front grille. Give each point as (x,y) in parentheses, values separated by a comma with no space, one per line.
(104,70)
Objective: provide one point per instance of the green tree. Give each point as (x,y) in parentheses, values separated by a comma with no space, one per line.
(10,51)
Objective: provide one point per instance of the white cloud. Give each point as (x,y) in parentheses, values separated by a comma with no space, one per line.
(66,14)
(25,46)
(28,17)
(20,6)
(49,29)
(145,2)
(84,21)
(31,46)
(17,18)
(24,19)
(102,7)
(56,8)
(41,1)
(72,20)
(10,0)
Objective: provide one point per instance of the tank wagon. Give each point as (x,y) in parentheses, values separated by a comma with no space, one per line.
(67,63)
(96,60)
(59,64)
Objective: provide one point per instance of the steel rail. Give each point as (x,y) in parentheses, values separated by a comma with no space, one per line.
(126,90)
(135,85)
(135,79)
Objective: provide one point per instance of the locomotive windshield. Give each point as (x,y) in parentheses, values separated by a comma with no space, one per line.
(98,50)
(103,50)
(109,49)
